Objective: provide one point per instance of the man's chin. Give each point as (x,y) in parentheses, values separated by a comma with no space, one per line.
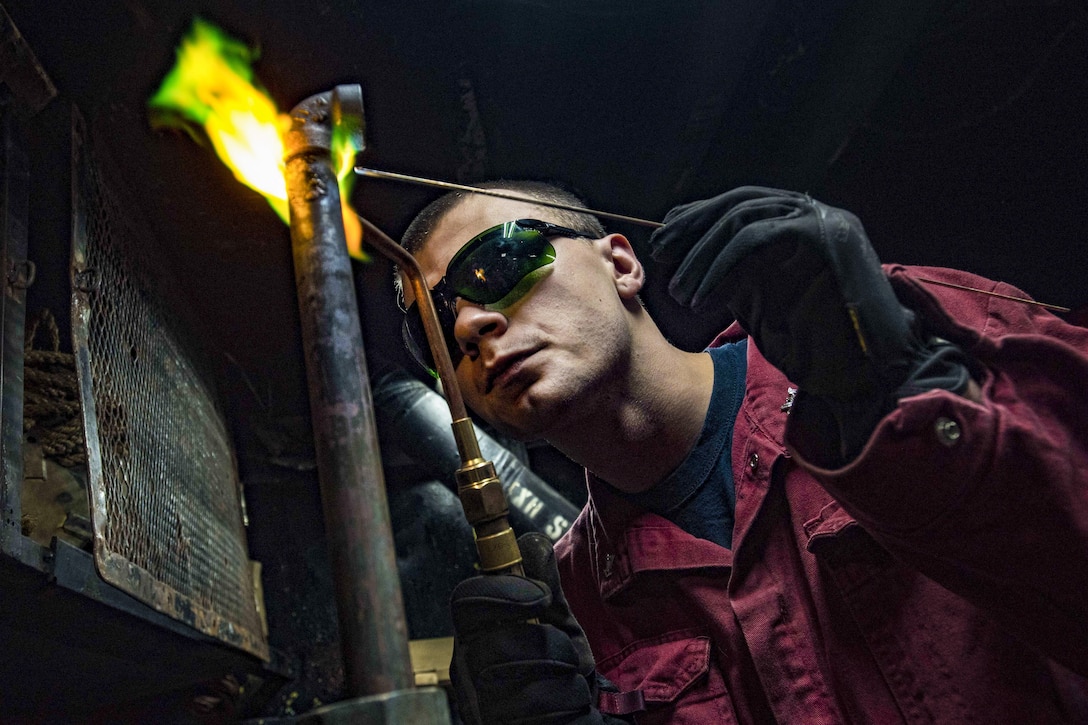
(518,434)
(529,412)
(526,422)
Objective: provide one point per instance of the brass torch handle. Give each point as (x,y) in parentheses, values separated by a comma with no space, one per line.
(484,502)
(478,485)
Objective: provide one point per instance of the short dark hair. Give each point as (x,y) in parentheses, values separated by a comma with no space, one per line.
(425,222)
(415,236)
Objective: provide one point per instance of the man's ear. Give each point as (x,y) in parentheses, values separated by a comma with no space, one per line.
(627,270)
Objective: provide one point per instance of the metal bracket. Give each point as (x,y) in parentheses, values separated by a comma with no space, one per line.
(21,273)
(86,280)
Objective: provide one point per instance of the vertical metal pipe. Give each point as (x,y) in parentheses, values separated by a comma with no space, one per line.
(373,630)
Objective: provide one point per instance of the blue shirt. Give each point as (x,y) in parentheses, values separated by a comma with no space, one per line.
(699,496)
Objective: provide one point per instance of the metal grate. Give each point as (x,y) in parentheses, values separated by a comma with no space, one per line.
(165,498)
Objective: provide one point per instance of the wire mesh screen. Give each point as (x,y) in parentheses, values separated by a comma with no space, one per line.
(166,506)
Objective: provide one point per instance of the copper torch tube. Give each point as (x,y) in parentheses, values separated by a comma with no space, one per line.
(389,248)
(478,485)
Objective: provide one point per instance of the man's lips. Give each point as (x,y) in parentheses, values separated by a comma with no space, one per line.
(502,368)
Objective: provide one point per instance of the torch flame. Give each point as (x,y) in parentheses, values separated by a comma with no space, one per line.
(213,85)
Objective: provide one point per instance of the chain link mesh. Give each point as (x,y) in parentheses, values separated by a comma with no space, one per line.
(169,485)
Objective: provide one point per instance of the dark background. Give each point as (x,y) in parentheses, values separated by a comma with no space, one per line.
(954,129)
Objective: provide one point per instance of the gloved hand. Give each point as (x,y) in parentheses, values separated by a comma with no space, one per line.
(803,280)
(508,670)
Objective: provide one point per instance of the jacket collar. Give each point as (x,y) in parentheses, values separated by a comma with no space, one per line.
(627,541)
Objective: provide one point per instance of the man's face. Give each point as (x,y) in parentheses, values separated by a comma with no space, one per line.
(536,364)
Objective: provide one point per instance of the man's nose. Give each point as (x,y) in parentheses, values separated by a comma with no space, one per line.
(474,323)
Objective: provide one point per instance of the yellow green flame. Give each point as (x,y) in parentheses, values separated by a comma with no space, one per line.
(212,85)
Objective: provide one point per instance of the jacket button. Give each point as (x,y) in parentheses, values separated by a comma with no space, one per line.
(753,462)
(948,431)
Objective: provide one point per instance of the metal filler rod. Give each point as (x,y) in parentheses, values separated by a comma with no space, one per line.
(450,186)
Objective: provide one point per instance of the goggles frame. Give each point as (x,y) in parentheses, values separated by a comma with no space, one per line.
(485,270)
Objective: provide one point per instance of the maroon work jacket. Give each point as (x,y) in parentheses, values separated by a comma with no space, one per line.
(940,577)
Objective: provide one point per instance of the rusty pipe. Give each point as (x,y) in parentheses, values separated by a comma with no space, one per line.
(373,628)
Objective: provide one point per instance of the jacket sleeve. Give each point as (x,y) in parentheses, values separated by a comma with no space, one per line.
(989,499)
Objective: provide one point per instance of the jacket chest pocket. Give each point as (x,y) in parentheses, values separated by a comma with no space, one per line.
(845,550)
(677,677)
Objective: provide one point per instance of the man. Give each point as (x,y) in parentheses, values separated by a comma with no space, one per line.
(873,509)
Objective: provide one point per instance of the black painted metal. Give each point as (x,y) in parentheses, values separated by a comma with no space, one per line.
(73,644)
(14,183)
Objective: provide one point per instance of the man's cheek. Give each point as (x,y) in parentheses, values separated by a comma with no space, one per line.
(470,391)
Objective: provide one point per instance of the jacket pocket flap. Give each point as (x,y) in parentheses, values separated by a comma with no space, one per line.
(662,668)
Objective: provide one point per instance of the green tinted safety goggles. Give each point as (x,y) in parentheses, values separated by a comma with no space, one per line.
(489,268)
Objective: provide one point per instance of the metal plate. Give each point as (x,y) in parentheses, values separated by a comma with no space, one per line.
(14,201)
(166,507)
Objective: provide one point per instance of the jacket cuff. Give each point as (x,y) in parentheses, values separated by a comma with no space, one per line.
(941,437)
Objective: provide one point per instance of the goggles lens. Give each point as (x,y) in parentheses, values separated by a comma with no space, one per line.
(485,270)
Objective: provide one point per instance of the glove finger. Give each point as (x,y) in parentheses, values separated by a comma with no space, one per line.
(517,643)
(510,679)
(730,239)
(781,250)
(480,603)
(497,667)
(684,224)
(687,223)
(755,259)
(537,693)
(538,561)
(721,204)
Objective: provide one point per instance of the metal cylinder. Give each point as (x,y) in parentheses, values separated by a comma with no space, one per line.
(417,419)
(373,628)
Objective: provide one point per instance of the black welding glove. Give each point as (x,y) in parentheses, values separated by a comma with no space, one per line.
(803,280)
(507,669)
